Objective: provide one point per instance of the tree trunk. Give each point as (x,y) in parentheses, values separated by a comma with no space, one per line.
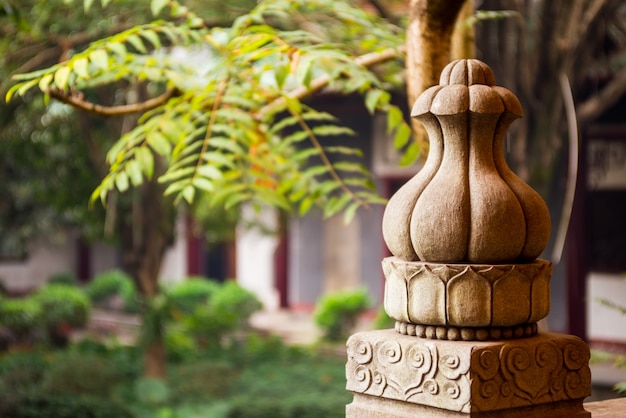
(146,233)
(154,360)
(429,33)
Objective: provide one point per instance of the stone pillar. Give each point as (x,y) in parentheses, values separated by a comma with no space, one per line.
(464,283)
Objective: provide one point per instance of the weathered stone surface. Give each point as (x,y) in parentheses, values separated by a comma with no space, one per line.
(465,285)
(468,378)
(466,295)
(466,205)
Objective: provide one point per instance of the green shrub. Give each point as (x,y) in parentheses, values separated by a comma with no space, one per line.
(126,359)
(226,312)
(382,320)
(187,295)
(307,387)
(202,380)
(63,305)
(21,370)
(37,404)
(235,303)
(337,313)
(77,373)
(63,278)
(20,316)
(63,308)
(20,373)
(112,283)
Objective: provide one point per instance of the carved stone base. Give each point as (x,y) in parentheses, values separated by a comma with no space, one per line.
(394,375)
(467,295)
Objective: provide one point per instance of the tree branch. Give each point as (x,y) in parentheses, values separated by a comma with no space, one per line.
(87,106)
(605,98)
(367,60)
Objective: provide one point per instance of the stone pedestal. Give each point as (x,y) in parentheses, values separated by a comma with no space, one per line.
(395,375)
(464,283)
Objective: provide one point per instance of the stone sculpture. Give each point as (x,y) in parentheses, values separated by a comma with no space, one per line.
(464,284)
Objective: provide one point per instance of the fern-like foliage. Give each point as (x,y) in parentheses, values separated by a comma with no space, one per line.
(238,127)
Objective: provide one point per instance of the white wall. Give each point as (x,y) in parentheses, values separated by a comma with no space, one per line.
(603,322)
(256,249)
(44,260)
(174,267)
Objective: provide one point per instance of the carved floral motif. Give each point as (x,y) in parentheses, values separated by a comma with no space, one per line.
(466,295)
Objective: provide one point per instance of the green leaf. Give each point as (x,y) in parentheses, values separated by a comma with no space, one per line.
(333,130)
(45,81)
(227,144)
(350,212)
(87,5)
(218,158)
(294,105)
(402,136)
(152,37)
(283,123)
(157,5)
(235,199)
(371,99)
(11,91)
(297,136)
(304,154)
(305,206)
(272,198)
(135,41)
(327,187)
(394,117)
(188,193)
(305,72)
(344,150)
(99,58)
(35,74)
(146,160)
(23,88)
(181,173)
(336,204)
(209,171)
(61,77)
(410,155)
(80,66)
(175,187)
(315,171)
(121,181)
(280,75)
(203,184)
(159,143)
(235,114)
(117,48)
(233,188)
(350,167)
(133,170)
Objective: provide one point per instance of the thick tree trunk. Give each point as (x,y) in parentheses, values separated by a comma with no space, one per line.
(145,236)
(431,24)
(154,360)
